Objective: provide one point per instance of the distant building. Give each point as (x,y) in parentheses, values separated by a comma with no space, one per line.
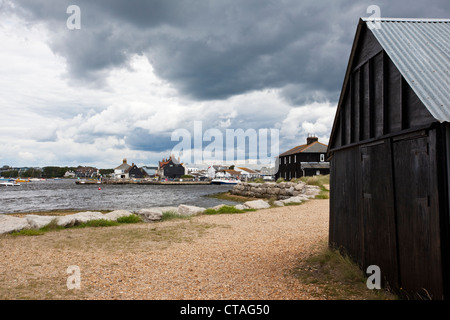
(134,172)
(86,172)
(304,160)
(171,168)
(121,171)
(268,173)
(248,174)
(70,174)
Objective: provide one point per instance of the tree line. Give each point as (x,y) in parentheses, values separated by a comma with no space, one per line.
(46,172)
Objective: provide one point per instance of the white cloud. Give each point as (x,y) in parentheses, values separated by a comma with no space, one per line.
(316,119)
(48,120)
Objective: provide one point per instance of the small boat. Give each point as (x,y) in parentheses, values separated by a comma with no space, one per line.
(9,184)
(225,181)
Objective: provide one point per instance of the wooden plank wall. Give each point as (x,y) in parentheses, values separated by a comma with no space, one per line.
(385,210)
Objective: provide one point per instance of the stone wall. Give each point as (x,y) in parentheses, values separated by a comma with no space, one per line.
(279,191)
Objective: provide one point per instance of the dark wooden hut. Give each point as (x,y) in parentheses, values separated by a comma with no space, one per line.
(303,160)
(389,154)
(171,168)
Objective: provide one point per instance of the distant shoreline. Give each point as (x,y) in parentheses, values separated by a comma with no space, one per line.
(90,182)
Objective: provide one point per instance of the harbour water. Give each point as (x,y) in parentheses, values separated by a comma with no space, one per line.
(66,195)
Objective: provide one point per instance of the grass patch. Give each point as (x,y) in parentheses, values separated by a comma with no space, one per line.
(97,223)
(27,232)
(292,204)
(129,219)
(337,277)
(316,180)
(172,215)
(225,210)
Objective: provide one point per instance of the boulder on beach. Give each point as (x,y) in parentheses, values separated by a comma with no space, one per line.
(10,224)
(37,222)
(150,214)
(257,204)
(278,203)
(186,210)
(78,218)
(116,214)
(292,200)
(240,207)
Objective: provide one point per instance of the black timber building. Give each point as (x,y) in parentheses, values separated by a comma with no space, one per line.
(304,160)
(389,153)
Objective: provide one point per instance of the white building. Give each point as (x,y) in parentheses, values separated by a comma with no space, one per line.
(121,172)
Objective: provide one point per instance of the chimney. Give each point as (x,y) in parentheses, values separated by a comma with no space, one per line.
(311,139)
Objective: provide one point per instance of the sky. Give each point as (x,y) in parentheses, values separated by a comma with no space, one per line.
(135,72)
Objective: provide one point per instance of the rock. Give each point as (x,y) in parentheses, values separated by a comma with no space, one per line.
(292,200)
(10,224)
(186,210)
(150,214)
(240,207)
(278,203)
(257,204)
(116,214)
(311,191)
(290,191)
(37,222)
(78,218)
(300,186)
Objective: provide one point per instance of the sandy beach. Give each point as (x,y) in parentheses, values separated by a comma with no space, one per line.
(227,256)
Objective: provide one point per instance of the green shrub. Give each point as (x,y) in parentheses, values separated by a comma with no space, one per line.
(129,219)
(279,180)
(98,223)
(226,209)
(28,232)
(171,215)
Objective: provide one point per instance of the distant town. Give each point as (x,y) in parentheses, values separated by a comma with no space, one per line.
(304,160)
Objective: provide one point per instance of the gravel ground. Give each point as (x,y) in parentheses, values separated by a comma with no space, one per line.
(228,256)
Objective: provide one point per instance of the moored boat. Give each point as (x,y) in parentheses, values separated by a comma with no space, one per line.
(225,181)
(9,184)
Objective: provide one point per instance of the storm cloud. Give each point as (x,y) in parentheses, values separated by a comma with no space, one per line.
(211,49)
(137,70)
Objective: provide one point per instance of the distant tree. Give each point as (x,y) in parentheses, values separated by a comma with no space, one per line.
(10,174)
(106,171)
(32,173)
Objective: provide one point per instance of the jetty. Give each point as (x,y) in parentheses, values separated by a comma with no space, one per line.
(140,182)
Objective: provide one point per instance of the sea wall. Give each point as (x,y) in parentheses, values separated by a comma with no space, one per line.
(279,191)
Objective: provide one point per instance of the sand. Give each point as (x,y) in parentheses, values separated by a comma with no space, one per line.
(227,256)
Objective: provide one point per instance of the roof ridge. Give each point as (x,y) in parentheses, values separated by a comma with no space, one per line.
(366,19)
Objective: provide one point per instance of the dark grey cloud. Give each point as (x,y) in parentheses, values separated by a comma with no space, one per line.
(140,139)
(210,49)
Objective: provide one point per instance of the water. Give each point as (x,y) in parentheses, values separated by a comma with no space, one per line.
(66,195)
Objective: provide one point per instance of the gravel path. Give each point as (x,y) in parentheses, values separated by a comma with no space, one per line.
(229,256)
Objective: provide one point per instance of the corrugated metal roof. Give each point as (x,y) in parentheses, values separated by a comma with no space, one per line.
(420,49)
